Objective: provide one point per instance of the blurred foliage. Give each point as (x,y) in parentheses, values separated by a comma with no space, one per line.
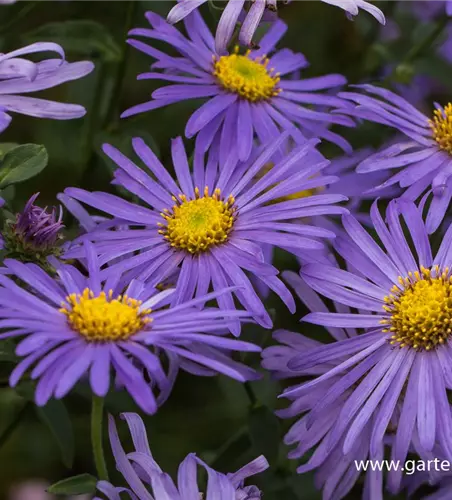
(213,417)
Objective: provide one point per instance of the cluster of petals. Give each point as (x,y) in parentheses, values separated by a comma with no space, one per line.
(19,76)
(227,124)
(368,392)
(263,217)
(147,481)
(59,356)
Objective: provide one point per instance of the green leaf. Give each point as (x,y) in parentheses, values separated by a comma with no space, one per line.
(5,147)
(265,433)
(77,485)
(84,37)
(55,415)
(21,163)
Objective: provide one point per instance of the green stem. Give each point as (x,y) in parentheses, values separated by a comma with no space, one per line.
(97,415)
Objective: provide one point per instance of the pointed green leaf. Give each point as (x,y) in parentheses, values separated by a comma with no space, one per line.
(77,485)
(55,415)
(21,163)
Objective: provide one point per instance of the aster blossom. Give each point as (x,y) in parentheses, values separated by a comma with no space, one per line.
(399,367)
(146,480)
(352,7)
(316,411)
(22,76)
(81,326)
(423,161)
(209,224)
(248,95)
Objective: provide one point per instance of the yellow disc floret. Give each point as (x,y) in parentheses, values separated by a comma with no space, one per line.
(103,318)
(441,125)
(250,78)
(198,224)
(420,309)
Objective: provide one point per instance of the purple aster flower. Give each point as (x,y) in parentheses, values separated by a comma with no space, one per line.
(77,326)
(146,480)
(20,76)
(34,235)
(317,411)
(398,369)
(248,95)
(211,223)
(423,161)
(233,13)
(352,8)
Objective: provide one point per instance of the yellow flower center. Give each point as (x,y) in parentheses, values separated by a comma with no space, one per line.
(420,309)
(104,318)
(441,125)
(198,224)
(250,78)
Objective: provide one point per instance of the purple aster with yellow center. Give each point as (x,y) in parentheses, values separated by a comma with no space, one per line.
(317,411)
(248,94)
(209,224)
(398,365)
(422,160)
(80,326)
(147,481)
(20,76)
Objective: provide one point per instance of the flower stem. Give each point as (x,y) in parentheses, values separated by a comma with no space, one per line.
(97,414)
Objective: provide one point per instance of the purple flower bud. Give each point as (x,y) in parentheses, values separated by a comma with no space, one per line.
(35,234)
